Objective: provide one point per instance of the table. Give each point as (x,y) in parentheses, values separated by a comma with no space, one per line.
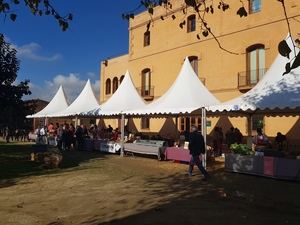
(175,153)
(110,146)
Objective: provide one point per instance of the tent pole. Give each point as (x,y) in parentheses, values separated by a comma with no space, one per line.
(176,124)
(249,129)
(250,122)
(34,127)
(203,131)
(76,121)
(122,135)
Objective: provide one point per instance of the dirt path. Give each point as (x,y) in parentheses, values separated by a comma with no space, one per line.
(135,190)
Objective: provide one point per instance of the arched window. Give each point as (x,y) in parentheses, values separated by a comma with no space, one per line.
(194,63)
(107,86)
(146,38)
(121,78)
(191,23)
(146,82)
(255,63)
(115,84)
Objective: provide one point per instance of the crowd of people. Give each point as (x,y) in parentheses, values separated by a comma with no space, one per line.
(233,135)
(68,137)
(262,142)
(14,134)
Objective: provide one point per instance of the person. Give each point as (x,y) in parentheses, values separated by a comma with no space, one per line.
(71,138)
(59,135)
(64,137)
(115,134)
(196,147)
(51,129)
(110,129)
(7,134)
(280,141)
(217,141)
(230,137)
(79,137)
(42,135)
(260,142)
(238,135)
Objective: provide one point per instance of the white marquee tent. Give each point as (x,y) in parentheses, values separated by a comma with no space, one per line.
(58,103)
(185,95)
(274,93)
(125,98)
(86,100)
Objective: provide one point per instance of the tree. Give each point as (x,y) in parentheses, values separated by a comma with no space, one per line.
(13,110)
(203,7)
(37,8)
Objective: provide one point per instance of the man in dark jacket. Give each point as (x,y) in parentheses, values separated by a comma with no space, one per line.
(197,147)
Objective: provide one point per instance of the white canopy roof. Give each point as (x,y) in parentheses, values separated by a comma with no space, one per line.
(86,100)
(125,98)
(185,95)
(273,91)
(58,103)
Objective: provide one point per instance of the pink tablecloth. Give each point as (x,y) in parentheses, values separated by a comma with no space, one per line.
(269,166)
(180,154)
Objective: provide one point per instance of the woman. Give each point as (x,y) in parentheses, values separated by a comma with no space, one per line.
(260,142)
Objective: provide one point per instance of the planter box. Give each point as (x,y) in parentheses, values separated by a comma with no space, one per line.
(249,164)
(280,168)
(270,164)
(288,169)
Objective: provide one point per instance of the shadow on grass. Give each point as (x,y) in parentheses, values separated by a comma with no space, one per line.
(227,198)
(15,162)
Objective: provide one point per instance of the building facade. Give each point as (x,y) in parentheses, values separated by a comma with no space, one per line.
(159,44)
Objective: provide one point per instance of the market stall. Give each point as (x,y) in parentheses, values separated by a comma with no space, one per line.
(277,93)
(125,98)
(58,103)
(186,94)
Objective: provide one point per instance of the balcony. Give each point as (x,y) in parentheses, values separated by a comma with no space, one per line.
(248,79)
(146,93)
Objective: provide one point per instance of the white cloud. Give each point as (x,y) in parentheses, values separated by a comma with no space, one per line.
(91,75)
(32,51)
(71,83)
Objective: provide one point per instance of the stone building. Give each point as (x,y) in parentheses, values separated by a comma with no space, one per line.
(157,50)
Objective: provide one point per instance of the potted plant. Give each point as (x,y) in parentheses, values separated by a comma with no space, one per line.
(243,160)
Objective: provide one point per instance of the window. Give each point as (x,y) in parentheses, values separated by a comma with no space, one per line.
(255,63)
(146,38)
(121,78)
(108,86)
(146,82)
(187,122)
(115,84)
(194,63)
(254,6)
(191,23)
(145,123)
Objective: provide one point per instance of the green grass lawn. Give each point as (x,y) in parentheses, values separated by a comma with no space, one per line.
(15,160)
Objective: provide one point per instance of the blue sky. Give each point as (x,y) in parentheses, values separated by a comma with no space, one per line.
(50,57)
